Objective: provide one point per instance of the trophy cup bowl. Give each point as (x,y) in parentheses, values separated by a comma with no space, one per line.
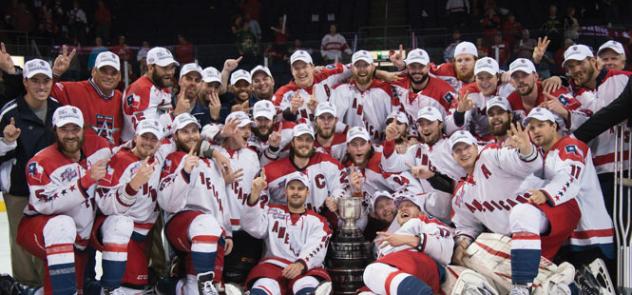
(349,211)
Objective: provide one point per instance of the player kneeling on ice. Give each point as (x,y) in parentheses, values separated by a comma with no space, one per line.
(296,240)
(412,259)
(193,194)
(57,222)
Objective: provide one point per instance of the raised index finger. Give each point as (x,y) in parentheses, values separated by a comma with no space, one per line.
(3,49)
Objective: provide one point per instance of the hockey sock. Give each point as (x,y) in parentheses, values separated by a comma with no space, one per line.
(305,285)
(525,257)
(61,268)
(265,286)
(203,252)
(409,285)
(116,231)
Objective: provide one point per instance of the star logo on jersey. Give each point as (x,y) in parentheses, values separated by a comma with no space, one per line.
(104,127)
(35,171)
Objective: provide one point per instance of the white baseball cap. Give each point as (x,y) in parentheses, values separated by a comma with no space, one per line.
(430,113)
(461,136)
(358,132)
(540,114)
(37,66)
(238,75)
(406,196)
(301,129)
(160,56)
(522,65)
(399,116)
(419,56)
(577,52)
(183,120)
(361,55)
(377,196)
(150,126)
(264,108)
(191,67)
(614,46)
(325,107)
(108,58)
(498,101)
(486,64)
(211,74)
(301,55)
(465,47)
(67,115)
(260,68)
(297,176)
(242,117)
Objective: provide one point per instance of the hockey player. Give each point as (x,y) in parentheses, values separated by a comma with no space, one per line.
(127,199)
(611,55)
(499,119)
(460,72)
(364,101)
(418,89)
(329,141)
(262,83)
(269,138)
(193,194)
(570,178)
(150,95)
(326,176)
(296,240)
(402,125)
(97,98)
(412,259)
(58,220)
(491,197)
(469,112)
(307,86)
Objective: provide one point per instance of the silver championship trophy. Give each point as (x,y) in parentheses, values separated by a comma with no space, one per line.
(348,253)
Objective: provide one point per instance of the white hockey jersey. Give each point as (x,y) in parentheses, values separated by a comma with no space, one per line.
(292,236)
(143,100)
(332,46)
(338,147)
(262,147)
(438,238)
(202,190)
(570,174)
(322,89)
(484,198)
(58,185)
(114,196)
(368,108)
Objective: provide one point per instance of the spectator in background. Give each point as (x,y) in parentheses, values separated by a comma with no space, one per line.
(141,57)
(458,12)
(553,27)
(511,30)
(246,43)
(21,18)
(122,50)
(448,53)
(98,48)
(503,50)
(102,20)
(611,55)
(253,25)
(482,49)
(78,23)
(184,50)
(333,45)
(571,24)
(47,26)
(280,31)
(490,24)
(524,47)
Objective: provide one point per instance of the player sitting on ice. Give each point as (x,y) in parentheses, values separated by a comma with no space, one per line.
(296,240)
(192,193)
(412,259)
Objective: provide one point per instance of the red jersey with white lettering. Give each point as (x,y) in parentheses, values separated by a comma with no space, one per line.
(238,192)
(610,84)
(143,100)
(61,186)
(438,241)
(293,236)
(326,175)
(570,174)
(484,198)
(115,196)
(438,94)
(102,114)
(368,108)
(202,190)
(476,118)
(322,89)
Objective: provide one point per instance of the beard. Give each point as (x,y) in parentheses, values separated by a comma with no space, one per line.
(324,134)
(261,135)
(181,146)
(158,80)
(423,79)
(525,93)
(465,77)
(300,154)
(70,145)
(502,130)
(590,72)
